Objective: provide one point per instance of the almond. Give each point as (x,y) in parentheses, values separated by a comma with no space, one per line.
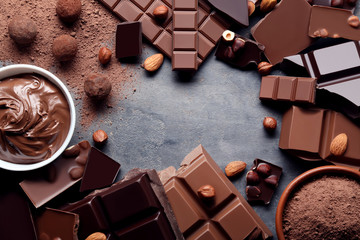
(96,236)
(234,168)
(153,62)
(339,144)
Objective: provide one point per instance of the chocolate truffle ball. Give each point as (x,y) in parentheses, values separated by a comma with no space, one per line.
(64,48)
(97,86)
(68,10)
(22,30)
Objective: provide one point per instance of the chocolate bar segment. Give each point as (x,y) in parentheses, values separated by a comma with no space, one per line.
(332,21)
(128,39)
(345,4)
(307,133)
(293,89)
(265,177)
(134,208)
(249,53)
(226,216)
(185,35)
(237,10)
(57,224)
(57,178)
(284,31)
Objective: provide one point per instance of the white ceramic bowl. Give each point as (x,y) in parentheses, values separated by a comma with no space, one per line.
(16,69)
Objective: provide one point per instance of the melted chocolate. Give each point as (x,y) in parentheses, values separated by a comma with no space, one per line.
(34,119)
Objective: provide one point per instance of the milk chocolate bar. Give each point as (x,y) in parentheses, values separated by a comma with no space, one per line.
(159,33)
(288,18)
(261,181)
(230,52)
(307,133)
(57,224)
(185,35)
(345,4)
(293,89)
(332,22)
(226,216)
(128,39)
(134,208)
(237,10)
(59,176)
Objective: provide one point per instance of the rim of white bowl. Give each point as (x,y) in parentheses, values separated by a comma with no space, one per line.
(16,69)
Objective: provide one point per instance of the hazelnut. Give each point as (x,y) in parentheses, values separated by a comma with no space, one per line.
(251,8)
(353,21)
(264,68)
(269,123)
(68,10)
(64,47)
(252,178)
(229,54)
(100,136)
(161,12)
(228,35)
(97,86)
(238,44)
(104,55)
(72,151)
(267,5)
(22,30)
(263,169)
(253,191)
(206,192)
(321,33)
(76,172)
(272,180)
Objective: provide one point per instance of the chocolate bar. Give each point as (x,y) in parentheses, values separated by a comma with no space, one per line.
(15,218)
(308,133)
(226,216)
(237,10)
(134,208)
(63,173)
(210,24)
(100,171)
(248,53)
(261,181)
(293,89)
(57,224)
(332,22)
(185,35)
(284,31)
(345,4)
(128,39)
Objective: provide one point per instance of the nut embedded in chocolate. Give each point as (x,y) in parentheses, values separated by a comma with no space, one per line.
(269,123)
(104,55)
(96,236)
(321,33)
(206,192)
(337,3)
(100,137)
(264,68)
(353,21)
(72,151)
(97,86)
(228,35)
(161,12)
(272,180)
(64,47)
(252,178)
(251,8)
(22,30)
(267,5)
(264,169)
(76,172)
(229,54)
(238,44)
(253,192)
(68,10)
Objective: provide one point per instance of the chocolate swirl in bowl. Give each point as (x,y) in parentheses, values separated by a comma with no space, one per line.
(34,118)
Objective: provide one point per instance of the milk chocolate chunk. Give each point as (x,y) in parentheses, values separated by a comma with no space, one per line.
(16,221)
(264,177)
(245,51)
(293,89)
(334,21)
(134,208)
(57,224)
(128,39)
(308,133)
(289,18)
(34,118)
(41,189)
(227,216)
(237,10)
(100,171)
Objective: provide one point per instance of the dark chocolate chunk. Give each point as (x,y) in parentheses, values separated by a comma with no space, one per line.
(345,4)
(236,9)
(128,39)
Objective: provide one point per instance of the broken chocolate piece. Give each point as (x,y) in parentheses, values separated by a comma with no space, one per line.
(128,39)
(236,9)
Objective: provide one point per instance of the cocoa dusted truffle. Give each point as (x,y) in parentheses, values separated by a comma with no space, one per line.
(22,30)
(97,86)
(64,47)
(68,10)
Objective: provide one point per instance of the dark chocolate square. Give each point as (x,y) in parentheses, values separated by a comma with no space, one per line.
(128,39)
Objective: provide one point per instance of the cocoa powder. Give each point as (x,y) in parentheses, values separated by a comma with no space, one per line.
(94,29)
(324,208)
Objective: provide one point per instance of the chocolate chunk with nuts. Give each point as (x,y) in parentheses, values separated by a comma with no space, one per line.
(22,30)
(97,86)
(206,192)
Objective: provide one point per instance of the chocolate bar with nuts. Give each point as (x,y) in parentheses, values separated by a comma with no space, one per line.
(345,4)
(226,215)
(261,181)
